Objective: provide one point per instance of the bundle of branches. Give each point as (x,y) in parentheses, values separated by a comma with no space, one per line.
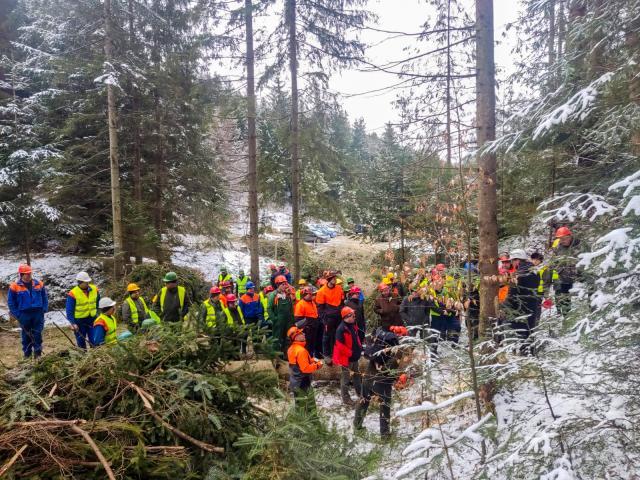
(160,405)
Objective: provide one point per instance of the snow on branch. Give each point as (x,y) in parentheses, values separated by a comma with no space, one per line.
(615,243)
(576,205)
(428,406)
(578,107)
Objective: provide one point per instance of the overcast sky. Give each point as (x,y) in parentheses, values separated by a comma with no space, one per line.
(406,16)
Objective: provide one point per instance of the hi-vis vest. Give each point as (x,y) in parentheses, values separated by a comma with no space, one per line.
(86,305)
(242,285)
(110,325)
(134,310)
(163,295)
(265,303)
(230,318)
(211,313)
(228,278)
(554,277)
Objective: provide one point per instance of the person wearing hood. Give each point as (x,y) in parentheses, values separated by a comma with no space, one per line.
(521,302)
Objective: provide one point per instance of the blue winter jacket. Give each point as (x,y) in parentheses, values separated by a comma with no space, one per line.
(251,306)
(27,298)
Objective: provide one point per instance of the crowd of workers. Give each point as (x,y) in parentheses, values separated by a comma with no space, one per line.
(323,320)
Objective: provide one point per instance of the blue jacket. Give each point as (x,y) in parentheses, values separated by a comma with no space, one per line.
(27,298)
(71,307)
(251,307)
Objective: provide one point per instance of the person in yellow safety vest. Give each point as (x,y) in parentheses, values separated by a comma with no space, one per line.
(134,308)
(212,308)
(264,299)
(241,283)
(235,319)
(301,284)
(104,327)
(171,303)
(225,276)
(82,308)
(548,277)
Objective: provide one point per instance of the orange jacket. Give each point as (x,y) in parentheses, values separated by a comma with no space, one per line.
(305,309)
(330,296)
(299,356)
(503,291)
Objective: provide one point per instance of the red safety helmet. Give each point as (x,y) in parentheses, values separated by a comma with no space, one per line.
(23,268)
(272,267)
(346,311)
(268,289)
(563,232)
(230,297)
(294,331)
(355,290)
(214,290)
(441,267)
(280,279)
(505,258)
(399,330)
(306,291)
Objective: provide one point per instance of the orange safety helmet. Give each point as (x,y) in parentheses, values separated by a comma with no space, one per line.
(268,289)
(346,311)
(23,268)
(214,290)
(383,286)
(399,330)
(441,267)
(563,232)
(306,291)
(293,332)
(280,279)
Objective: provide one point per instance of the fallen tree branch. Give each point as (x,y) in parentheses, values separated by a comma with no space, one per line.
(147,405)
(97,451)
(5,468)
(49,423)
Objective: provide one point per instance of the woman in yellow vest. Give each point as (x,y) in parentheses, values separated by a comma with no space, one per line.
(104,327)
(134,308)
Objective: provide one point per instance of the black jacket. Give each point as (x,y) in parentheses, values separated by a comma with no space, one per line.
(522,298)
(414,312)
(360,319)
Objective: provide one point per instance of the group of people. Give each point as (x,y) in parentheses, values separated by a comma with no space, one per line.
(321,322)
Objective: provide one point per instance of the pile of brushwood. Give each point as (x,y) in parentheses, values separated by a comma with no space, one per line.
(160,405)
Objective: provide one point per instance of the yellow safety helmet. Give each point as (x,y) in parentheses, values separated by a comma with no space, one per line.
(339,281)
(302,281)
(390,275)
(386,281)
(133,287)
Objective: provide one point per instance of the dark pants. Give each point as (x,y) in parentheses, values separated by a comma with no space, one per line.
(31,324)
(381,387)
(330,323)
(563,299)
(84,333)
(347,375)
(448,326)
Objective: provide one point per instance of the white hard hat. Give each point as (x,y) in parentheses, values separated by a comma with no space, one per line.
(83,277)
(519,254)
(105,302)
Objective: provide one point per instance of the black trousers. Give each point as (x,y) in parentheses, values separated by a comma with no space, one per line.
(382,387)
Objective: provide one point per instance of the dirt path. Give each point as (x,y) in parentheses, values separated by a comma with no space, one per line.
(352,256)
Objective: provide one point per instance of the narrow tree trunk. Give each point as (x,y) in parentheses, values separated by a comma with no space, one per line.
(295,166)
(253,161)
(486,131)
(158,164)
(632,40)
(561,29)
(448,83)
(137,156)
(116,208)
(551,46)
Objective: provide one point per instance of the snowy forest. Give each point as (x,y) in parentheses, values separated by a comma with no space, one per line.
(214,145)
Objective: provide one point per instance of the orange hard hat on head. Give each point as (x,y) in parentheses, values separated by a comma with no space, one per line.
(280,279)
(23,268)
(346,311)
(383,286)
(293,332)
(563,232)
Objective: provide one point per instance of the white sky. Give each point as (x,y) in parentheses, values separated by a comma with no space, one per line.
(406,16)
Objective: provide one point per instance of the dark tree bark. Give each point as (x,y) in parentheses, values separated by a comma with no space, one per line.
(486,131)
(295,161)
(251,128)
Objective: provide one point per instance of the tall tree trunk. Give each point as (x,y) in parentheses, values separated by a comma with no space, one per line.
(449,83)
(551,45)
(295,165)
(485,132)
(112,118)
(632,40)
(137,156)
(253,160)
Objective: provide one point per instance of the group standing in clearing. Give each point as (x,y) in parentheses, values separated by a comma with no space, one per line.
(323,320)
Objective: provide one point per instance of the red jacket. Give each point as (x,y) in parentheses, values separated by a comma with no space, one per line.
(345,349)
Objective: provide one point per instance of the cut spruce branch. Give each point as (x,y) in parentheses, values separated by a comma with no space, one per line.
(92,444)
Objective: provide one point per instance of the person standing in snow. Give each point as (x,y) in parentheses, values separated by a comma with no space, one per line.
(387,306)
(346,353)
(522,299)
(28,302)
(301,366)
(305,314)
(381,374)
(353,301)
(564,261)
(82,308)
(414,312)
(241,283)
(329,299)
(280,310)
